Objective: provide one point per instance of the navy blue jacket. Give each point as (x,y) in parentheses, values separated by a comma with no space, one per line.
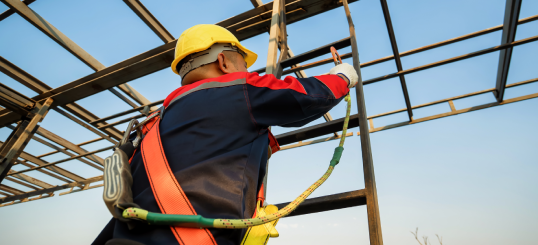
(215,137)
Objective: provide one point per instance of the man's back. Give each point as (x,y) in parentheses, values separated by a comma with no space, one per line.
(215,137)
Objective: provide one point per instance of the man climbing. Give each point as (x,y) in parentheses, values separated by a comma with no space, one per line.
(214,132)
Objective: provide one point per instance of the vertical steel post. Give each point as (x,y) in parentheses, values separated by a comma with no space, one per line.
(511,15)
(374,222)
(16,142)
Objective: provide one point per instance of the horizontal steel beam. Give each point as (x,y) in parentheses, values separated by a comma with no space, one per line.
(327,203)
(125,112)
(316,130)
(325,49)
(161,57)
(50,190)
(150,20)
(454,59)
(336,125)
(15,101)
(413,51)
(40,87)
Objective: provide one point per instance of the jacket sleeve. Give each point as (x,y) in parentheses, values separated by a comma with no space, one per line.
(292,102)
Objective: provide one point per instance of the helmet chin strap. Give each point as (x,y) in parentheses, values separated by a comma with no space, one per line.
(205,57)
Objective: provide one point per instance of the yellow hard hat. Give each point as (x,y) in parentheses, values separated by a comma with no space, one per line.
(201,37)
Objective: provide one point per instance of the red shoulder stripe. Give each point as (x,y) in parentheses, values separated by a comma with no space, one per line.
(270,81)
(336,84)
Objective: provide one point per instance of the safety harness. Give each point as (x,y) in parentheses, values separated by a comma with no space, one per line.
(177,211)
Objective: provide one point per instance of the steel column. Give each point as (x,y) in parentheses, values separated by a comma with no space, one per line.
(397,59)
(374,221)
(18,140)
(511,14)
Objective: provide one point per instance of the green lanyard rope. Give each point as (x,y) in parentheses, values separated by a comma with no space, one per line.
(201,222)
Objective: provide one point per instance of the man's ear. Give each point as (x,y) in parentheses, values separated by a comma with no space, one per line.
(224,64)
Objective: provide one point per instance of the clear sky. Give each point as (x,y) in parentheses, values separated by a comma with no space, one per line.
(470,178)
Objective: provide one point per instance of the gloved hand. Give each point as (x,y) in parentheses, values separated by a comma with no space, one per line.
(348,71)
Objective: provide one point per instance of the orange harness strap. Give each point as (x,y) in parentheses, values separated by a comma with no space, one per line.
(166,189)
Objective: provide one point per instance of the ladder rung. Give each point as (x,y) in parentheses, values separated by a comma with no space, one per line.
(330,202)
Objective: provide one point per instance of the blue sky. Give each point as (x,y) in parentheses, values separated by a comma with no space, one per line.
(469,178)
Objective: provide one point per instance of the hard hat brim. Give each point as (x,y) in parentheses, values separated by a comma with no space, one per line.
(250,57)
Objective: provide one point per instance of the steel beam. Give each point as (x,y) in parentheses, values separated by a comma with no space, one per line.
(511,15)
(14,146)
(454,59)
(9,12)
(329,127)
(65,143)
(51,31)
(56,171)
(50,190)
(150,20)
(327,203)
(15,101)
(413,51)
(397,59)
(44,142)
(325,49)
(39,87)
(63,160)
(31,180)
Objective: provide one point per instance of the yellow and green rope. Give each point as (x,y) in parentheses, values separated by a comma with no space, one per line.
(199,221)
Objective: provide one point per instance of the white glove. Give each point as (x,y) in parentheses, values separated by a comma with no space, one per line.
(348,71)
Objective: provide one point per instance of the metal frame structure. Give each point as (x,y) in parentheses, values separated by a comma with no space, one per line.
(26,112)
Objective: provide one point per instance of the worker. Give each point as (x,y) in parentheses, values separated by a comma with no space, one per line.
(214,131)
